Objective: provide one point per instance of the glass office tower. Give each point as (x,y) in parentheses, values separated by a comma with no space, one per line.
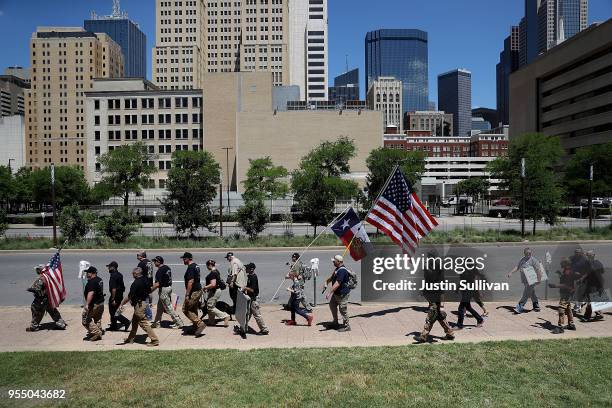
(400,53)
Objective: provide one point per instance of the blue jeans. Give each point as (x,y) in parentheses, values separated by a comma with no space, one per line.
(297,308)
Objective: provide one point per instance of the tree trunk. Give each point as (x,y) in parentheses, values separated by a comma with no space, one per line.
(534,227)
(126,198)
(315,230)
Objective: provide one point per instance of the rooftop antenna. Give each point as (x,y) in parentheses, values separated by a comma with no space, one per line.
(117,13)
(346,55)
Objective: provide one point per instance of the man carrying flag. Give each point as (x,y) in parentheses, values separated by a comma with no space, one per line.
(353,235)
(399,213)
(49,292)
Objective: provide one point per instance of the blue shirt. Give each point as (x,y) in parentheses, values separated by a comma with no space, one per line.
(342,276)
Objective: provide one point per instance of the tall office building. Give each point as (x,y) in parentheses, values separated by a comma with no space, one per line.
(127,34)
(559,20)
(308,49)
(64,62)
(346,87)
(179,44)
(12,90)
(508,63)
(455,96)
(400,53)
(385,95)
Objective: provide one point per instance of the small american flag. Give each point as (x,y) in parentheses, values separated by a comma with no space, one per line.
(399,213)
(54,281)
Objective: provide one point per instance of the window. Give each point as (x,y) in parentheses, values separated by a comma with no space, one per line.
(147,134)
(195,118)
(147,119)
(195,133)
(130,103)
(114,119)
(196,101)
(147,103)
(181,133)
(97,104)
(164,118)
(114,104)
(181,118)
(181,102)
(165,103)
(97,120)
(131,119)
(97,135)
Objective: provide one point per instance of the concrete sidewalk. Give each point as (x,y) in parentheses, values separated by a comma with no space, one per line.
(372,325)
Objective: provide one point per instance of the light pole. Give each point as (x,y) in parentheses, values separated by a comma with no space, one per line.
(53,203)
(591,198)
(9,165)
(227,149)
(523,197)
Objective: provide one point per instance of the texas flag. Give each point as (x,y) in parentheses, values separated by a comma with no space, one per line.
(353,235)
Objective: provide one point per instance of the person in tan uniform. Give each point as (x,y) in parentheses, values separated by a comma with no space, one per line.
(138,296)
(193,293)
(237,277)
(94,305)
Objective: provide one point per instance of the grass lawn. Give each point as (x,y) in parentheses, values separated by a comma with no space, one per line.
(453,236)
(551,373)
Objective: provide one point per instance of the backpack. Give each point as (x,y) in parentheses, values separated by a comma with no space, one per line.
(352,281)
(221,285)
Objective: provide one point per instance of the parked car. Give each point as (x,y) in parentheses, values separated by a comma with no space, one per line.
(503,201)
(597,202)
(452,200)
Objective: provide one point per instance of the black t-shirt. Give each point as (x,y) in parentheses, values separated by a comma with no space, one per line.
(139,290)
(341,275)
(95,285)
(116,282)
(214,274)
(253,283)
(164,276)
(193,272)
(144,265)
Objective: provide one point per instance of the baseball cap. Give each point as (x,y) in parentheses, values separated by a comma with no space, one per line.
(158,259)
(295,255)
(338,258)
(187,255)
(91,269)
(229,254)
(250,266)
(113,264)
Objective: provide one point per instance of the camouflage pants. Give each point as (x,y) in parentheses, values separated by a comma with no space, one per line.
(191,305)
(435,313)
(255,311)
(92,319)
(211,306)
(39,308)
(164,304)
(139,319)
(336,303)
(565,309)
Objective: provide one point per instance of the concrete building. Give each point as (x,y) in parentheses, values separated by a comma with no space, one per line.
(239,115)
(455,96)
(403,54)
(508,63)
(178,55)
(431,146)
(12,90)
(439,123)
(19,72)
(64,63)
(567,91)
(346,87)
(308,48)
(125,110)
(12,138)
(386,95)
(127,34)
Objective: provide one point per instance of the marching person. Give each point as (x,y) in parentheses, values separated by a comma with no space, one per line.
(338,294)
(252,290)
(213,289)
(193,293)
(163,282)
(567,287)
(40,304)
(528,260)
(147,271)
(237,278)
(298,268)
(117,289)
(297,294)
(435,298)
(468,276)
(593,283)
(137,296)
(94,305)
(580,267)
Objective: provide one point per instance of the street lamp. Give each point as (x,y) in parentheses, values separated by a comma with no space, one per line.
(227,149)
(591,198)
(523,197)
(9,165)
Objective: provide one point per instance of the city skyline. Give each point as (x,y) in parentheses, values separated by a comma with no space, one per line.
(449,48)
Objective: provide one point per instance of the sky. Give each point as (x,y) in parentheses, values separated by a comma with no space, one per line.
(462,33)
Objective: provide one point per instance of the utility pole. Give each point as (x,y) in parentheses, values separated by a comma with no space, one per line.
(523,197)
(591,198)
(227,149)
(221,210)
(53,203)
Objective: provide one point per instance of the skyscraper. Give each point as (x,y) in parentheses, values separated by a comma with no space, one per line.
(508,63)
(64,61)
(400,53)
(455,96)
(127,34)
(385,95)
(346,87)
(308,49)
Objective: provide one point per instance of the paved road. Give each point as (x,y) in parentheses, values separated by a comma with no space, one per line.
(16,272)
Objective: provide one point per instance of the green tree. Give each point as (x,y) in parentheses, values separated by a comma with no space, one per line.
(192,185)
(119,225)
(543,190)
(7,186)
(3,222)
(318,182)
(74,223)
(381,163)
(126,170)
(473,187)
(70,186)
(263,180)
(252,217)
(24,190)
(578,168)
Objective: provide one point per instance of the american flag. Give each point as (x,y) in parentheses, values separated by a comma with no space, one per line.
(54,281)
(399,213)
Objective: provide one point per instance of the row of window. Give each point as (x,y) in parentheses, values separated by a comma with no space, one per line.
(149,134)
(162,119)
(181,102)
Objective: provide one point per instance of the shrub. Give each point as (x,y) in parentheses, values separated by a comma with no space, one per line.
(74,223)
(252,217)
(3,222)
(119,226)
